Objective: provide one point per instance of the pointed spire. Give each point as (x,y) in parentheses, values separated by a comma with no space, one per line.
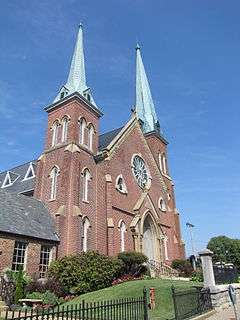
(76,81)
(77,78)
(145,109)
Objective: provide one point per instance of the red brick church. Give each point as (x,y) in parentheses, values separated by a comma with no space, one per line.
(109,192)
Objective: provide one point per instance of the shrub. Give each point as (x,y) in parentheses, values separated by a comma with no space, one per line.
(19,291)
(183,266)
(133,262)
(85,272)
(48,298)
(40,285)
(197,276)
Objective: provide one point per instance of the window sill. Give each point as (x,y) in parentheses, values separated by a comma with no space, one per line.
(85,201)
(51,200)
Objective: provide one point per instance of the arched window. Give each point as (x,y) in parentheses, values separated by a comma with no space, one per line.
(55,127)
(86,226)
(64,129)
(54,176)
(122,229)
(160,162)
(120,184)
(82,130)
(165,245)
(90,136)
(161,204)
(86,178)
(164,163)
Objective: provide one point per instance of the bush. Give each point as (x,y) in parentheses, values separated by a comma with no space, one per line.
(183,266)
(40,285)
(19,291)
(48,298)
(85,272)
(197,276)
(133,263)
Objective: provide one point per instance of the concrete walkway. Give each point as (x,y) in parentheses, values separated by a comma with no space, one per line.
(227,314)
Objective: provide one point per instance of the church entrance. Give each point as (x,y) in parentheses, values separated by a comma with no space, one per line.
(149,238)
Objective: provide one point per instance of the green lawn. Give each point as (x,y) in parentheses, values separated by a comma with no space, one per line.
(131,289)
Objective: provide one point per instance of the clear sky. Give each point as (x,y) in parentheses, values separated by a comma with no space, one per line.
(191,51)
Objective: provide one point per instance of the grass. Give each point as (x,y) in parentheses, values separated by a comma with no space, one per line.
(131,289)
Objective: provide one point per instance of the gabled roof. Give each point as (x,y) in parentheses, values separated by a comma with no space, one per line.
(106,138)
(17,175)
(25,216)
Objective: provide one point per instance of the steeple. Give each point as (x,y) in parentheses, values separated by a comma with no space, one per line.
(76,81)
(144,105)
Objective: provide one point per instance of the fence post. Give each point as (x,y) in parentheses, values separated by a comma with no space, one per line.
(145,304)
(174,302)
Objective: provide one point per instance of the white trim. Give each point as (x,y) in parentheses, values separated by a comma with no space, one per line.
(122,229)
(124,187)
(162,207)
(30,169)
(86,225)
(53,176)
(65,121)
(8,177)
(86,174)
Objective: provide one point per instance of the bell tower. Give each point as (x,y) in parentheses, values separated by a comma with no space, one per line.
(67,163)
(146,113)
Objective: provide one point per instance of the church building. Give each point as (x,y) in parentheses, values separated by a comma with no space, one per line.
(108,192)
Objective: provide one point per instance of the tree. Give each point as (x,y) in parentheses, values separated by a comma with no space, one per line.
(225,250)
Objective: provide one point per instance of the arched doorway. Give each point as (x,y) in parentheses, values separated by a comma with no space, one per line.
(149,238)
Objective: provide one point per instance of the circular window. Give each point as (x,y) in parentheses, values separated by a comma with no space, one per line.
(140,171)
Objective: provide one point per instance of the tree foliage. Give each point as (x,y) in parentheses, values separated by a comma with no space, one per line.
(225,250)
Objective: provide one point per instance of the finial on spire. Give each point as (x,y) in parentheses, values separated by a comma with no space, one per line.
(145,109)
(137,46)
(80,25)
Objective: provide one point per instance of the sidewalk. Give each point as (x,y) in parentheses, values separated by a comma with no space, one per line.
(227,314)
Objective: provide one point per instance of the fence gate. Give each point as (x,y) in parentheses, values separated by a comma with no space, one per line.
(194,301)
(121,309)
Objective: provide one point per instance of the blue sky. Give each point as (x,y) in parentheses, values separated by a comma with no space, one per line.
(191,51)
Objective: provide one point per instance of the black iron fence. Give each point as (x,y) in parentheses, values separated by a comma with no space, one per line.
(121,309)
(225,273)
(187,303)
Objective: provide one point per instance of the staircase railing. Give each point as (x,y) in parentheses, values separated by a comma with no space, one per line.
(162,269)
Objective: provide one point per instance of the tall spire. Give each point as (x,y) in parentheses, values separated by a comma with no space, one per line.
(76,81)
(144,105)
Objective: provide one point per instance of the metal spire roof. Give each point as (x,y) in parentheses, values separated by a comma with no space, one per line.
(76,81)
(144,105)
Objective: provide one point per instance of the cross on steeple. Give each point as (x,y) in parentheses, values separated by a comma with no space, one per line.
(144,105)
(76,81)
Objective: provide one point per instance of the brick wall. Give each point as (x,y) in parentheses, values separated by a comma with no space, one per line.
(106,207)
(32,252)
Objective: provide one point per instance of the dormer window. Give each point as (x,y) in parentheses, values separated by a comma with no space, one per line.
(121,185)
(9,179)
(30,172)
(62,95)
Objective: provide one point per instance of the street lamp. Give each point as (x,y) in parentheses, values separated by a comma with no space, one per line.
(190,226)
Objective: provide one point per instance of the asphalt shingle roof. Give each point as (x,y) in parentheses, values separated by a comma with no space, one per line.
(25,216)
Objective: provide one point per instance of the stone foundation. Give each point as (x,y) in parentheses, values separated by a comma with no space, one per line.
(220,297)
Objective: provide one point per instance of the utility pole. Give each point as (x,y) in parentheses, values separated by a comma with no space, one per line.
(190,226)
